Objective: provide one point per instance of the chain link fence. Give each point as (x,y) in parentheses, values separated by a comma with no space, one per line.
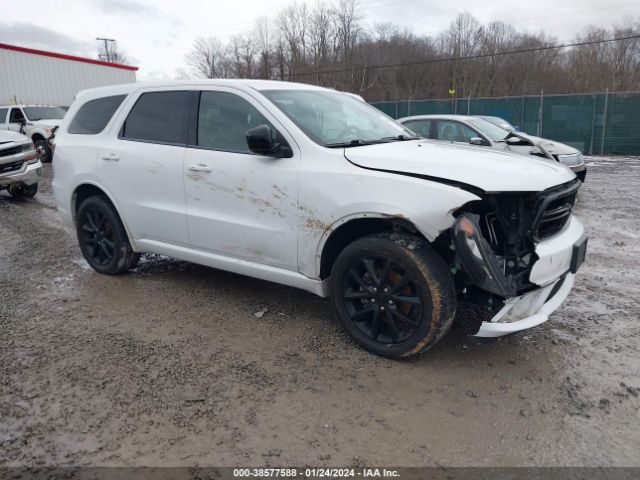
(595,123)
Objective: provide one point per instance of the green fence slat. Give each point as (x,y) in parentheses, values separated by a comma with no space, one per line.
(577,120)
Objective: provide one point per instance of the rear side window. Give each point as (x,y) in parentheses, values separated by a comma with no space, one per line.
(3,115)
(421,127)
(94,115)
(159,117)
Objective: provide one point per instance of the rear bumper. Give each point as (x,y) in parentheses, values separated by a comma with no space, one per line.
(29,174)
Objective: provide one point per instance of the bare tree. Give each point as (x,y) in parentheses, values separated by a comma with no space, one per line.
(329,44)
(207,59)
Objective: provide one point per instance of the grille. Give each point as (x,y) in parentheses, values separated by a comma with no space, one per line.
(5,152)
(554,209)
(11,167)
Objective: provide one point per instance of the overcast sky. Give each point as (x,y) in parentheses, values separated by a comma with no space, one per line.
(156,35)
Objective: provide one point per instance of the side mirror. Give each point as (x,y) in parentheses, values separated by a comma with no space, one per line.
(476,141)
(260,141)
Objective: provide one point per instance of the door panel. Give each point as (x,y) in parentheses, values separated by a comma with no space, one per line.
(145,176)
(239,204)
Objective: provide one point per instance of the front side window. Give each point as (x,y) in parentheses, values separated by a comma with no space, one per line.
(16,116)
(159,117)
(333,119)
(94,115)
(223,121)
(3,114)
(452,131)
(421,127)
(494,132)
(35,114)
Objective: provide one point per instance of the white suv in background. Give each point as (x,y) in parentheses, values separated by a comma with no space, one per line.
(38,122)
(315,189)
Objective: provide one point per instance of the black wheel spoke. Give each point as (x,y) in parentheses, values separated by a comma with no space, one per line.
(103,248)
(109,243)
(371,270)
(384,276)
(391,322)
(353,295)
(362,312)
(88,228)
(398,314)
(356,276)
(406,299)
(403,282)
(92,222)
(375,324)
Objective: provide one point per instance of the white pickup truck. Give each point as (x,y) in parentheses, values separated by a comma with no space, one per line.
(20,168)
(35,121)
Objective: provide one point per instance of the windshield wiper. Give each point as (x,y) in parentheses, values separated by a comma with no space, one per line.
(356,142)
(400,138)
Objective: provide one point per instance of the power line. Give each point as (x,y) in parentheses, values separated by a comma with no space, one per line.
(575,13)
(470,57)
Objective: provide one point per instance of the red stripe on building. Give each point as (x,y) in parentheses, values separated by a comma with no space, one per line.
(63,56)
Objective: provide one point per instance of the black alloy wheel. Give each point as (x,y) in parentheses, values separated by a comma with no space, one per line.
(393,294)
(97,237)
(102,237)
(381,299)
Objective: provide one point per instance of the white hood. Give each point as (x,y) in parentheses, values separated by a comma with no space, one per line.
(43,123)
(7,136)
(487,169)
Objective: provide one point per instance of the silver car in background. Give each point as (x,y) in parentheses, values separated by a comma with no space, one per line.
(478,131)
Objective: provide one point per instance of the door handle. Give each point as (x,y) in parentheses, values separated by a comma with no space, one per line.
(200,168)
(111,156)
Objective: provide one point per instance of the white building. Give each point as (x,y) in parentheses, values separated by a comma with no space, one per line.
(36,76)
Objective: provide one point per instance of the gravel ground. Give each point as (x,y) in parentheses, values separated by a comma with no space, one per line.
(170,365)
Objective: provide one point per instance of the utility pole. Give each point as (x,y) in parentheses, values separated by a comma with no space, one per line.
(106,46)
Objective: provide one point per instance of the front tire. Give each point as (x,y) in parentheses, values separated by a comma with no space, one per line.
(393,294)
(102,237)
(30,191)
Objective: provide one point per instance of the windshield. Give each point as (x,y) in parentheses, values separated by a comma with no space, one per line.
(494,132)
(500,122)
(334,119)
(38,113)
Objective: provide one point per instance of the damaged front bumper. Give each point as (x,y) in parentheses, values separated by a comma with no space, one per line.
(529,310)
(558,259)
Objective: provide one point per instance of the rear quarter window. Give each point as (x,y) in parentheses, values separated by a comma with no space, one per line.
(94,115)
(3,114)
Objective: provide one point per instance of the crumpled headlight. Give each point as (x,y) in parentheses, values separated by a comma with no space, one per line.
(571,160)
(477,259)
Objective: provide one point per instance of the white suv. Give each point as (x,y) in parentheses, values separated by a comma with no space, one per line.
(315,189)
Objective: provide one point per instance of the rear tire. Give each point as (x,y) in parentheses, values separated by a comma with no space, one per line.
(393,294)
(102,237)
